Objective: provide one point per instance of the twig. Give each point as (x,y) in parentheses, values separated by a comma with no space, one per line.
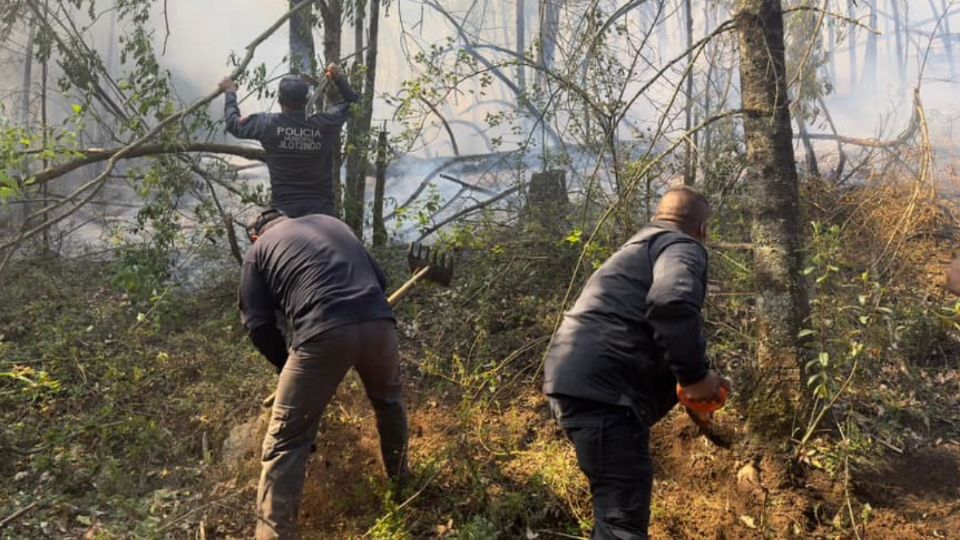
(9,519)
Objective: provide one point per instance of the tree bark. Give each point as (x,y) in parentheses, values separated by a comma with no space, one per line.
(303,53)
(379,229)
(331,12)
(358,135)
(782,305)
(549,29)
(689,164)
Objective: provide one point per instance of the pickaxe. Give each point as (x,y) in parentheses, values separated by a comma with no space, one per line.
(424,263)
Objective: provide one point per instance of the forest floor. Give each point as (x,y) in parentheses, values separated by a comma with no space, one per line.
(135,413)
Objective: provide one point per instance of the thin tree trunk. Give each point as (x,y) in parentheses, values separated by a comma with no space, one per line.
(852,39)
(379,229)
(832,39)
(549,28)
(521,45)
(782,306)
(870,63)
(358,136)
(331,11)
(899,35)
(689,167)
(944,32)
(302,50)
(809,156)
(24,111)
(43,125)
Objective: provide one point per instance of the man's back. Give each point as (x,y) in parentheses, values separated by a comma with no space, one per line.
(299,155)
(299,149)
(317,272)
(608,347)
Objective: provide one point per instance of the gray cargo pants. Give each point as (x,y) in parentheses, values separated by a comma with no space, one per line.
(307,383)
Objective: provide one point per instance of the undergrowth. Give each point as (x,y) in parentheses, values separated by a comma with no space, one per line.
(115,405)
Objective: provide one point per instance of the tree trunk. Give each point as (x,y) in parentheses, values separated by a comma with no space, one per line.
(870,62)
(379,229)
(809,156)
(521,45)
(24,111)
(549,29)
(899,34)
(358,135)
(832,41)
(689,164)
(945,33)
(852,39)
(44,189)
(302,50)
(331,11)
(782,306)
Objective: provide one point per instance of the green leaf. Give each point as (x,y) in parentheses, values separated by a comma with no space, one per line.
(77,109)
(806,332)
(824,359)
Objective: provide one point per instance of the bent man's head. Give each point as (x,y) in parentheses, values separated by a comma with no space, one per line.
(259,223)
(293,93)
(687,208)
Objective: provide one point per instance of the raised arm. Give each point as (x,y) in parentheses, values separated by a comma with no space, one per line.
(257,310)
(339,112)
(249,127)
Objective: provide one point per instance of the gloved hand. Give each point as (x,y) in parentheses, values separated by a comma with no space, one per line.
(707,394)
(332,72)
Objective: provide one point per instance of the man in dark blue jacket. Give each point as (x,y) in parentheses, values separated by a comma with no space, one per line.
(299,148)
(613,366)
(315,270)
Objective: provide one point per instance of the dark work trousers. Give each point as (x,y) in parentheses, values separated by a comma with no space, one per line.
(307,383)
(612,447)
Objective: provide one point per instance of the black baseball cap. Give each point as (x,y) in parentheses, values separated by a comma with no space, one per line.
(293,91)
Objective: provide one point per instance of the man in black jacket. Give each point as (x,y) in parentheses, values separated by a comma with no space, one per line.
(613,366)
(315,270)
(299,149)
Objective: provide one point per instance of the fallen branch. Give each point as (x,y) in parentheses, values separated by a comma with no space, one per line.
(96,155)
(856,141)
(465,211)
(9,519)
(93,186)
(467,185)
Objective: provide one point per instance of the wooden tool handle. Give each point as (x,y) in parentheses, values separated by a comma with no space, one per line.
(402,291)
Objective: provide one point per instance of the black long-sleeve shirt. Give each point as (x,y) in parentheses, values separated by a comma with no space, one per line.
(636,329)
(318,273)
(299,150)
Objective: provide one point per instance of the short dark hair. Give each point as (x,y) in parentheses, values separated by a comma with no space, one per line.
(293,92)
(258,222)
